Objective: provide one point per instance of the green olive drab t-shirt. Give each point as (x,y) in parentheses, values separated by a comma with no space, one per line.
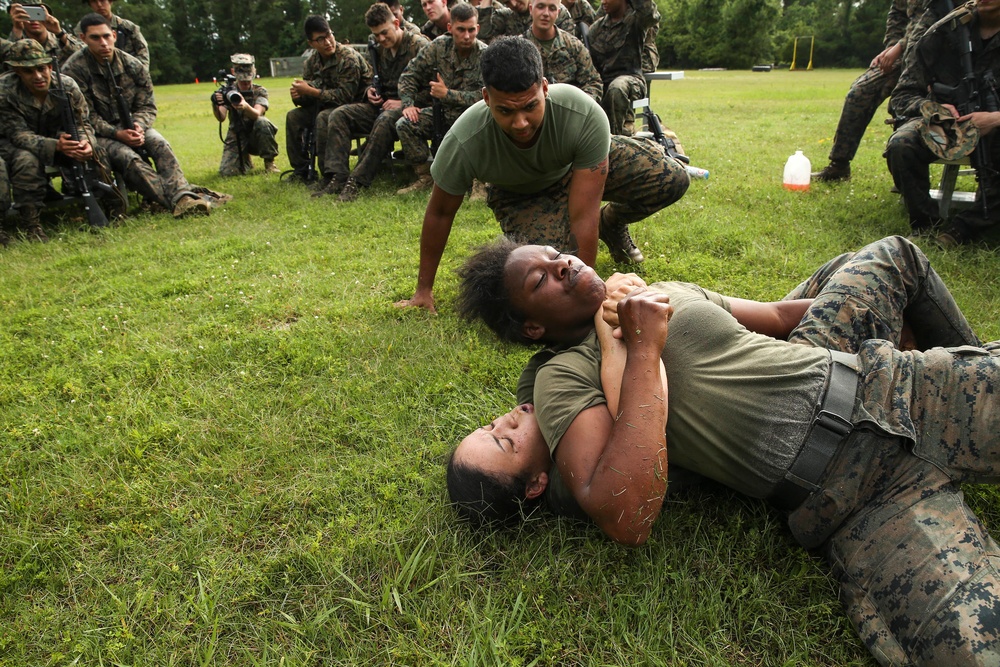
(739,404)
(574,134)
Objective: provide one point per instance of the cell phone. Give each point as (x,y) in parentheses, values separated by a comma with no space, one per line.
(35,12)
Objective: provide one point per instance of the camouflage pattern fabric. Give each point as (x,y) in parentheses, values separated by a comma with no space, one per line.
(130,38)
(133,79)
(354,119)
(409,26)
(641,181)
(460,75)
(164,185)
(55,48)
(906,23)
(581,11)
(343,79)
(390,67)
(431,31)
(363,117)
(566,60)
(616,46)
(498,20)
(917,570)
(617,49)
(465,87)
(31,135)
(255,137)
(4,187)
(935,59)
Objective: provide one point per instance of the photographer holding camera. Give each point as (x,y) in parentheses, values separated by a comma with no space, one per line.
(250,133)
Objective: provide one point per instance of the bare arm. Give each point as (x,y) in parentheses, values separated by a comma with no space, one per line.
(438,218)
(616,467)
(586,188)
(775,318)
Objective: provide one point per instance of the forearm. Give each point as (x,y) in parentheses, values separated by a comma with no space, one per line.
(632,470)
(775,319)
(434,236)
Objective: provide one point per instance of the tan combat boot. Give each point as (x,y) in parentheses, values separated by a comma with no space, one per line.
(270,167)
(191,205)
(424,180)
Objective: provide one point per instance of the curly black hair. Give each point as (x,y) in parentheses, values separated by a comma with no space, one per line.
(486,500)
(511,64)
(483,294)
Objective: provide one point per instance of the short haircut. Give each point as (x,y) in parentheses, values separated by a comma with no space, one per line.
(485,500)
(378,14)
(316,23)
(463,11)
(483,293)
(90,20)
(511,64)
(391,3)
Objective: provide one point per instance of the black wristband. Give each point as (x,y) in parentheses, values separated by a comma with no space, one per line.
(60,34)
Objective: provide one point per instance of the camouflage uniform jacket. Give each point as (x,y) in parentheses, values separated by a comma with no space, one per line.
(408,26)
(582,12)
(130,39)
(497,20)
(54,47)
(256,95)
(342,79)
(431,31)
(133,79)
(461,75)
(616,46)
(908,20)
(566,60)
(935,59)
(389,67)
(33,127)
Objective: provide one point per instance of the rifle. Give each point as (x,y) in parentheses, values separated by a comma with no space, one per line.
(584,30)
(655,129)
(82,172)
(438,111)
(125,111)
(309,149)
(969,97)
(373,56)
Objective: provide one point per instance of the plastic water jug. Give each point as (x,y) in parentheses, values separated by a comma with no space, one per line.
(797,170)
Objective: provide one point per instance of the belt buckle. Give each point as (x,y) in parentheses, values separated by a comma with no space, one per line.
(833,422)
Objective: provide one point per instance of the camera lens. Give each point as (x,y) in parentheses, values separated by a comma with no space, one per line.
(233,97)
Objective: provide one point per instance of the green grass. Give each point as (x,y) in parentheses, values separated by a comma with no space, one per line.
(221,444)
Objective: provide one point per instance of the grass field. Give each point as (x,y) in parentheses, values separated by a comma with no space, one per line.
(221,444)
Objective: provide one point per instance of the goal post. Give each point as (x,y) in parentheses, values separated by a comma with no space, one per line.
(795,52)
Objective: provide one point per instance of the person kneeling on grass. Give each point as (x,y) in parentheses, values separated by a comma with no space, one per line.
(552,160)
(864,444)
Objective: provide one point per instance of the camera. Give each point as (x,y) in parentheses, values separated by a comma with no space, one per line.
(227,90)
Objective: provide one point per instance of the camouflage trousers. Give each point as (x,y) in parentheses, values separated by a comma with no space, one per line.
(863,99)
(641,181)
(27,178)
(256,138)
(413,137)
(4,189)
(619,93)
(917,570)
(359,118)
(165,184)
(909,159)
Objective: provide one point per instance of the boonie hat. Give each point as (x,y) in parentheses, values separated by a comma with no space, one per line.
(27,53)
(243,66)
(944,135)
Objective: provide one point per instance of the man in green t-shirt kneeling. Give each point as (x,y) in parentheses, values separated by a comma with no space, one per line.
(548,157)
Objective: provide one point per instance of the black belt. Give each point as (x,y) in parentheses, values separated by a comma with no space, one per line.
(830,427)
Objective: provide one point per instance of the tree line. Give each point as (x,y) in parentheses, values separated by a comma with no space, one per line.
(191,39)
